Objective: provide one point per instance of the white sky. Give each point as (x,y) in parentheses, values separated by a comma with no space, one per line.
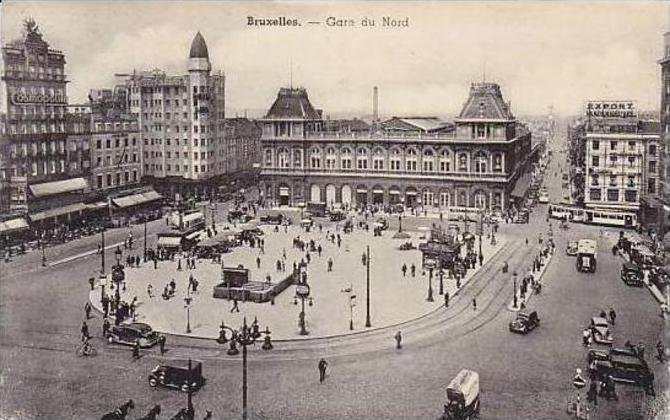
(548,53)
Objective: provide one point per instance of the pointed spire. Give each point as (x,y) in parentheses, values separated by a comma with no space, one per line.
(199,47)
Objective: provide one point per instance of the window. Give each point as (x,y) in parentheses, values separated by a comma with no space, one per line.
(283,158)
(631,160)
(345,159)
(595,145)
(631,181)
(98,144)
(613,145)
(462,162)
(652,149)
(631,196)
(99,182)
(613,159)
(297,158)
(612,195)
(480,162)
(631,145)
(481,131)
(315,159)
(410,160)
(594,180)
(651,185)
(428,161)
(652,167)
(612,180)
(594,194)
(595,160)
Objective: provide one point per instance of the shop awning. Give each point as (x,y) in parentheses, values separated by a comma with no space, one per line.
(521,186)
(60,211)
(394,192)
(169,241)
(13,225)
(192,236)
(283,191)
(97,206)
(136,199)
(410,192)
(361,190)
(378,191)
(58,187)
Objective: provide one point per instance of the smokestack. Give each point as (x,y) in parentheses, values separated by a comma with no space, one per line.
(375,104)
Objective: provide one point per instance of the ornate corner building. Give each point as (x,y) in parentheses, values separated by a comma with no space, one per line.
(414,161)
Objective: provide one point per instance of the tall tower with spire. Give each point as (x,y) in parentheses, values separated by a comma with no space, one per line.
(665,114)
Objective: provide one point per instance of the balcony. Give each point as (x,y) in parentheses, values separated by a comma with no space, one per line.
(451,176)
(365,136)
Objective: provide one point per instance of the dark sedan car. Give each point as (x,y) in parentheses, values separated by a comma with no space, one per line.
(176,375)
(128,334)
(524,322)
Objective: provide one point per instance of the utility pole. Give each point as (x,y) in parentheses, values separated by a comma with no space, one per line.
(367,297)
(102,252)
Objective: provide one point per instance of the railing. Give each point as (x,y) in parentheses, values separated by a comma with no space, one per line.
(489,176)
(335,136)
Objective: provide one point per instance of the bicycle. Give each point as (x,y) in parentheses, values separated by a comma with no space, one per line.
(86,349)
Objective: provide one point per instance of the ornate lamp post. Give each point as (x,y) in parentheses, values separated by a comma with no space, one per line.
(441,275)
(103,283)
(352,303)
(430,285)
(187,301)
(145,240)
(514,280)
(44,256)
(244,337)
(367,295)
(302,291)
(102,252)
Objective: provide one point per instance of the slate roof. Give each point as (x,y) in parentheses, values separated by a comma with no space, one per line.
(486,102)
(292,104)
(198,47)
(422,124)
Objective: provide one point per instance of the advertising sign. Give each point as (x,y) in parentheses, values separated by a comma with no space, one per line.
(611,109)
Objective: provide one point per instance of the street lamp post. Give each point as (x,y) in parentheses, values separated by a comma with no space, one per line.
(145,240)
(302,291)
(103,283)
(441,274)
(187,301)
(514,280)
(244,337)
(430,285)
(399,222)
(44,256)
(352,303)
(102,252)
(367,296)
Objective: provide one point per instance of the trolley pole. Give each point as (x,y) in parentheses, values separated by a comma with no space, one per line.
(102,252)
(145,240)
(367,297)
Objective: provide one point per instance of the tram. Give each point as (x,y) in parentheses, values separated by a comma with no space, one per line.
(619,218)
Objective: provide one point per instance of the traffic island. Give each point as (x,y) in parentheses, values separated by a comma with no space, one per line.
(528,283)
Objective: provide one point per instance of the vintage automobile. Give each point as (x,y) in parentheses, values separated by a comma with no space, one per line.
(632,274)
(128,334)
(622,368)
(272,219)
(599,354)
(571,249)
(544,198)
(337,215)
(524,322)
(176,375)
(600,331)
(521,217)
(382,223)
(462,396)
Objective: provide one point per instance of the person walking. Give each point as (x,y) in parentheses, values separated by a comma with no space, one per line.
(87,310)
(161,344)
(592,394)
(612,316)
(330,264)
(136,350)
(149,290)
(105,327)
(235,307)
(404,270)
(258,262)
(446,300)
(84,332)
(323,365)
(660,350)
(398,340)
(474,304)
(413,270)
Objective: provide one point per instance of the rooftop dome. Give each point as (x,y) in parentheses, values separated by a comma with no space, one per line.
(198,47)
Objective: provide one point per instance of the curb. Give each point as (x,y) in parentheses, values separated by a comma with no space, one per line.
(543,269)
(97,306)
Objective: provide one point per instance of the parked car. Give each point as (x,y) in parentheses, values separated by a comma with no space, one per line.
(622,368)
(521,217)
(544,198)
(632,274)
(128,334)
(272,219)
(337,215)
(382,223)
(176,375)
(598,354)
(600,331)
(571,248)
(524,322)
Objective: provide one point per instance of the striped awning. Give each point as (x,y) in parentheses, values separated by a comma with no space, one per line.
(136,199)
(59,211)
(168,242)
(13,225)
(97,206)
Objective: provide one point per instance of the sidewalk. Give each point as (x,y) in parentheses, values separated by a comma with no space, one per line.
(394,298)
(537,275)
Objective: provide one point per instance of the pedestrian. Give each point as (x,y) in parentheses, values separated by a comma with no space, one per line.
(161,344)
(413,270)
(323,365)
(660,350)
(149,289)
(87,310)
(446,300)
(611,388)
(474,304)
(603,314)
(91,282)
(526,241)
(136,349)
(156,264)
(258,262)
(235,307)
(404,270)
(105,327)
(640,350)
(319,250)
(398,340)
(84,331)
(592,394)
(330,264)
(613,316)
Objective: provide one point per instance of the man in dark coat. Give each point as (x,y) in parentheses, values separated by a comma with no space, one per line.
(323,365)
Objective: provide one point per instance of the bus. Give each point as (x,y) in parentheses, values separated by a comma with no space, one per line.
(586,255)
(473,214)
(626,219)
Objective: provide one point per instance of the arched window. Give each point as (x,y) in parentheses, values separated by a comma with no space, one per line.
(480,199)
(445,161)
(331,159)
(268,158)
(428,161)
(395,159)
(463,162)
(362,158)
(497,162)
(411,160)
(481,160)
(378,160)
(315,158)
(297,158)
(283,158)
(345,159)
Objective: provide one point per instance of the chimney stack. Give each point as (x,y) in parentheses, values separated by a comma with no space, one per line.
(375,104)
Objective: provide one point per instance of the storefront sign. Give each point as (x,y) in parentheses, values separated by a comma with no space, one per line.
(611,109)
(19,98)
